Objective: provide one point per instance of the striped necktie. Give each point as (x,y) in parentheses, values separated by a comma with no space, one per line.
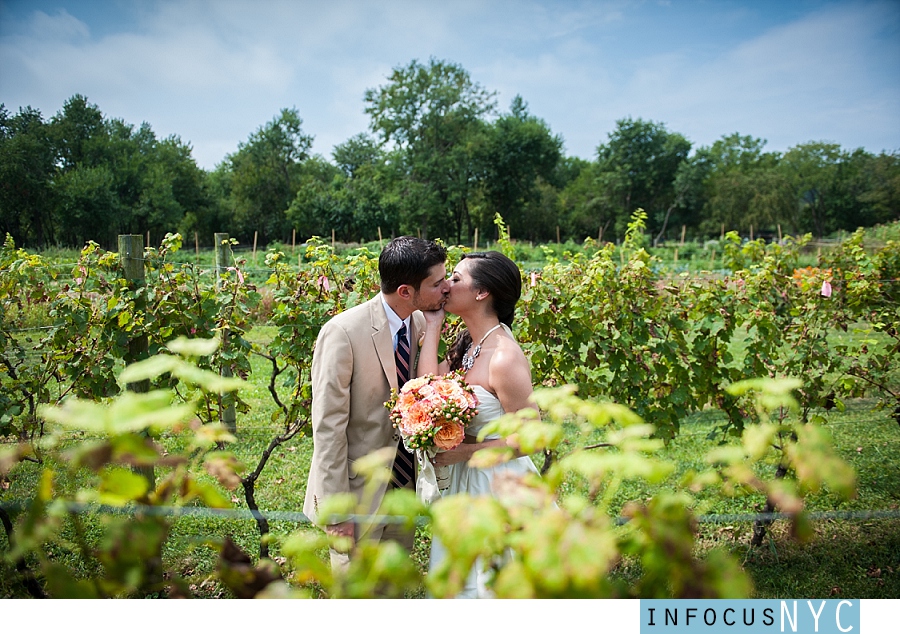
(402,470)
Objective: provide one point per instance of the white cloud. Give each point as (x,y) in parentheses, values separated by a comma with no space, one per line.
(809,80)
(213,72)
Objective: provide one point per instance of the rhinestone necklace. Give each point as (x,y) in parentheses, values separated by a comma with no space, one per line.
(468,360)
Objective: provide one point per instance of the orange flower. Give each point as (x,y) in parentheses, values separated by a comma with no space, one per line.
(449,436)
(405,401)
(416,420)
(414,384)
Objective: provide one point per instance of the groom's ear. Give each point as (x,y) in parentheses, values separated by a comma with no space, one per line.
(405,291)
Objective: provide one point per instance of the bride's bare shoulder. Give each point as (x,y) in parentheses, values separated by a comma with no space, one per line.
(508,357)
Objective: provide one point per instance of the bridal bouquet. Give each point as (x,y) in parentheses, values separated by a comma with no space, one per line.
(431,413)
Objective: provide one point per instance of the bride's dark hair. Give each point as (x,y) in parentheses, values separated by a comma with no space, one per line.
(495,273)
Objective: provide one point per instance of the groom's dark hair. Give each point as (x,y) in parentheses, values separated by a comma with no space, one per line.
(407,260)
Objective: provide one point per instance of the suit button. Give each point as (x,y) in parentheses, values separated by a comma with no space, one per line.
(395,437)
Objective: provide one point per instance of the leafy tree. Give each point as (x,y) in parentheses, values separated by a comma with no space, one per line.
(639,164)
(113,177)
(266,174)
(27,166)
(80,133)
(881,192)
(814,169)
(514,155)
(742,182)
(357,153)
(427,114)
(315,211)
(588,205)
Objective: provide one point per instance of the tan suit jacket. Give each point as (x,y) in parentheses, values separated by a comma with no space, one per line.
(353,371)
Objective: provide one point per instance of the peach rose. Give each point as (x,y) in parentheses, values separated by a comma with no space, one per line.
(405,401)
(414,384)
(451,392)
(449,436)
(416,420)
(427,392)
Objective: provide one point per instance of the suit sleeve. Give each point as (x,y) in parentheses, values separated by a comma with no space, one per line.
(332,370)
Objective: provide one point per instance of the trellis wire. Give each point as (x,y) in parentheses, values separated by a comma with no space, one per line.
(301,518)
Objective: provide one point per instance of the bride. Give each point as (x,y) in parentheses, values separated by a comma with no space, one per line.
(484,289)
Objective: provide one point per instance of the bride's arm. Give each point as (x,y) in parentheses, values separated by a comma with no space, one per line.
(510,377)
(428,351)
(465,451)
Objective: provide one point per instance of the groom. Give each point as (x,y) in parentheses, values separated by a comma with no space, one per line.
(355,365)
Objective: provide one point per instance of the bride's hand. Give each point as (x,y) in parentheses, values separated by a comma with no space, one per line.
(434,318)
(452,456)
(465,451)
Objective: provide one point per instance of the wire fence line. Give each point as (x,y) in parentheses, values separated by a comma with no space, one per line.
(300,518)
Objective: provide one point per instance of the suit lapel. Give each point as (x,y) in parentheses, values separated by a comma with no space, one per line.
(381,339)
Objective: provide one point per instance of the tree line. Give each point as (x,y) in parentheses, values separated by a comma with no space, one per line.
(440,160)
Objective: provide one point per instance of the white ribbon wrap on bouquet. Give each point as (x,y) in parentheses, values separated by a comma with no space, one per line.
(431,481)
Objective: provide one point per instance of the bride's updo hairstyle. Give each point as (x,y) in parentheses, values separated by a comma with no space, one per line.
(495,273)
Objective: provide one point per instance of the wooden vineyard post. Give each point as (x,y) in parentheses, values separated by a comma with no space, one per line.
(226,401)
(131,254)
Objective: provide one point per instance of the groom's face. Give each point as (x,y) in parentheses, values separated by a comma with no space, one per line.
(433,290)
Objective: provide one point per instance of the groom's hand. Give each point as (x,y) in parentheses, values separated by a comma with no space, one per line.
(344,529)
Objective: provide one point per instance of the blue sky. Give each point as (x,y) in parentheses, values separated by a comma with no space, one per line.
(212,72)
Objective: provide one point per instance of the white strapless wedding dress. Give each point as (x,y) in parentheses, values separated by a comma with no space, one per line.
(465,479)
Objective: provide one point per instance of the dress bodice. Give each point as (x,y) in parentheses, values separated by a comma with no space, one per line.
(489,408)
